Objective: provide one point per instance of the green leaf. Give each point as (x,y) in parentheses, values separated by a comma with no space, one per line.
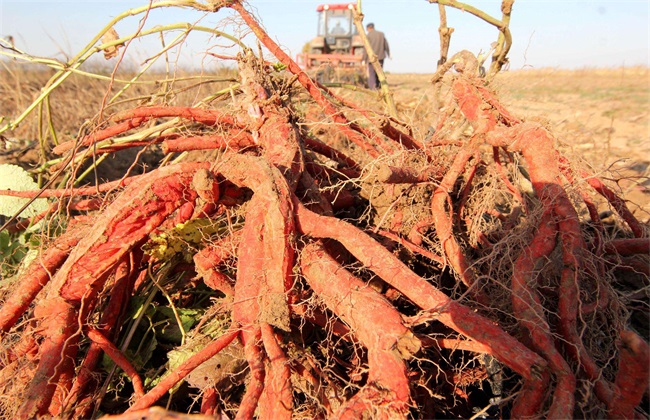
(12,252)
(144,353)
(13,177)
(279,66)
(168,329)
(136,305)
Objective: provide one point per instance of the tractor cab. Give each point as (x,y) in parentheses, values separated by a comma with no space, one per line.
(337,42)
(335,28)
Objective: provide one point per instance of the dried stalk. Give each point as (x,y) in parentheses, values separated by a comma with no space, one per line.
(386,94)
(505,38)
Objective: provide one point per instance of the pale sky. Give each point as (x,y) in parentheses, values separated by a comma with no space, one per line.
(546,33)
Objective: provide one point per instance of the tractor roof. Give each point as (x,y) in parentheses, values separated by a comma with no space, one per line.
(338,6)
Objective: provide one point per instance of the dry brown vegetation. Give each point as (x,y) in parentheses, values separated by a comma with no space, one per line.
(75,106)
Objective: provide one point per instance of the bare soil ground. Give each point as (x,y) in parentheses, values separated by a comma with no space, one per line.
(603,115)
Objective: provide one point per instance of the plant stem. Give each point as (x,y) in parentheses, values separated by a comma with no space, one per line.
(386,94)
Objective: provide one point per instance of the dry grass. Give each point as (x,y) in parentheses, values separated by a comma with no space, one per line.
(78,101)
(82,104)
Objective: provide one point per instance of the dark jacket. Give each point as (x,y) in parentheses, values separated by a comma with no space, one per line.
(378,43)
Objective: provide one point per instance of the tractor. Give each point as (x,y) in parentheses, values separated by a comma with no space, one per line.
(336,53)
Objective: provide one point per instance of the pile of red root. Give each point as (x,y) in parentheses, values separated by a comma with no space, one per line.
(339,315)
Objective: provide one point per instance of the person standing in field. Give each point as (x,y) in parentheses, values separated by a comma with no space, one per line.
(379,46)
